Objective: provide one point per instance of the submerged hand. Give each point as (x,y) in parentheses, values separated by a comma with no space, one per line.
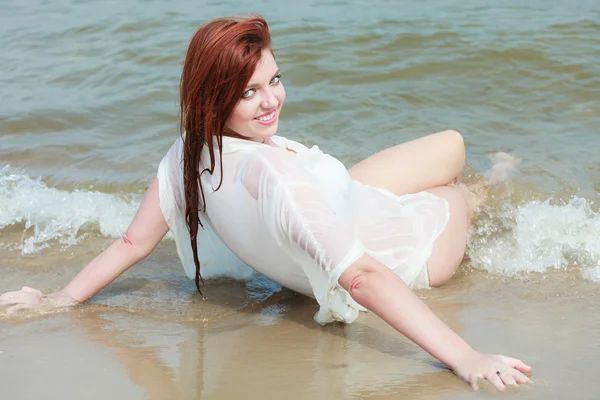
(29,298)
(497,369)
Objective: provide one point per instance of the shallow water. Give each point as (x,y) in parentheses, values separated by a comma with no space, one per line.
(149,336)
(89,107)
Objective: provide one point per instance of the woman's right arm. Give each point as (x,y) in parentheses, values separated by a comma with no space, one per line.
(143,234)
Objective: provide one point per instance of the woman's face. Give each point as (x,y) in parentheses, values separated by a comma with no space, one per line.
(256,115)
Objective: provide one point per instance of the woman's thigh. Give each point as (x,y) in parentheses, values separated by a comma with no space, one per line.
(449,248)
(411,167)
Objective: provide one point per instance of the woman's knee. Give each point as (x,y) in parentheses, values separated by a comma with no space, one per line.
(455,145)
(455,139)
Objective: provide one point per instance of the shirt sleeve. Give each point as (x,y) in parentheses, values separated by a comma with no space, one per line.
(172,205)
(216,259)
(170,175)
(297,213)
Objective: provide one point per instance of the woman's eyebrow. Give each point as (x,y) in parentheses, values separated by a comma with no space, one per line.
(256,84)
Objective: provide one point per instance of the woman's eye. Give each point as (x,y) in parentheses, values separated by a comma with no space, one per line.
(248,93)
(276,79)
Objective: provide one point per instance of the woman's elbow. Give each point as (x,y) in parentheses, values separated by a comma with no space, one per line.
(360,281)
(361,284)
(135,247)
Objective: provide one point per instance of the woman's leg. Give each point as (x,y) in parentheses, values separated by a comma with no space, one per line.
(421,164)
(429,163)
(449,248)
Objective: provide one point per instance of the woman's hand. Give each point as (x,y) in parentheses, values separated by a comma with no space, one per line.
(29,298)
(497,369)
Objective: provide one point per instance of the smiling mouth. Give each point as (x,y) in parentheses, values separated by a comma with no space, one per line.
(266,117)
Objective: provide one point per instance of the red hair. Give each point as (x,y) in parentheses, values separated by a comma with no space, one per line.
(219,63)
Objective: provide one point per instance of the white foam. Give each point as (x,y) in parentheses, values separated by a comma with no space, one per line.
(503,164)
(51,214)
(538,236)
(592,274)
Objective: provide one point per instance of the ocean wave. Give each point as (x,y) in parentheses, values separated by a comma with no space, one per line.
(537,237)
(51,215)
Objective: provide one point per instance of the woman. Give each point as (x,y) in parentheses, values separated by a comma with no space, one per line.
(354,239)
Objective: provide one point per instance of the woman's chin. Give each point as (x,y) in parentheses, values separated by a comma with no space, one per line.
(261,135)
(267,133)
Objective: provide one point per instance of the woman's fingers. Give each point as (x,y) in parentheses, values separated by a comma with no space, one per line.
(494,379)
(515,363)
(508,378)
(517,370)
(26,295)
(521,377)
(500,371)
(474,384)
(9,298)
(6,297)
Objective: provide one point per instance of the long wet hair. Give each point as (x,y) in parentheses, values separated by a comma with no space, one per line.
(219,63)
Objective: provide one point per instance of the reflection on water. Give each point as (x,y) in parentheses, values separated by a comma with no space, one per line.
(242,355)
(150,336)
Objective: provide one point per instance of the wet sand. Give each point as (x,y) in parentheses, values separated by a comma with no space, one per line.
(149,335)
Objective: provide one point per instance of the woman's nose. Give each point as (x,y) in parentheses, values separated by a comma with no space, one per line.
(269,100)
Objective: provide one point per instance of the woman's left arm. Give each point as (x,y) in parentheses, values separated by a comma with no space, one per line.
(378,289)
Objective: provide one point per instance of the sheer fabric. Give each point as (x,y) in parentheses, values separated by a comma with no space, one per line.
(299,219)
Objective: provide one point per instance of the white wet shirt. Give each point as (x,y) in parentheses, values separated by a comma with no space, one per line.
(299,219)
